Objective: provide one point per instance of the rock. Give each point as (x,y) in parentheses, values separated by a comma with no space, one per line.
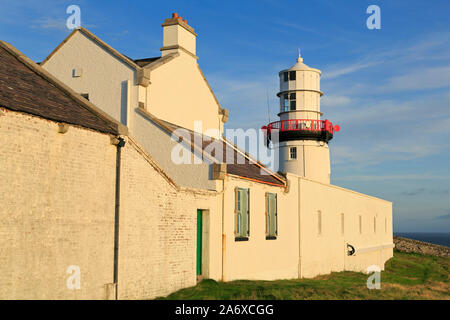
(410,245)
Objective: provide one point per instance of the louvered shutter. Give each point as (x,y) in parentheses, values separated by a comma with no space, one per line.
(272,214)
(245,232)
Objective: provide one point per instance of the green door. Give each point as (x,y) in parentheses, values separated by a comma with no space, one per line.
(199,241)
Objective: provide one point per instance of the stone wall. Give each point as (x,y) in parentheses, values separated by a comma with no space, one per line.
(411,245)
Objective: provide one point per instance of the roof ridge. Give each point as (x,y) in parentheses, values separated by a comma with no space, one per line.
(99,41)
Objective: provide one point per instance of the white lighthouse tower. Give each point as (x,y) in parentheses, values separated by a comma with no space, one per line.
(302,136)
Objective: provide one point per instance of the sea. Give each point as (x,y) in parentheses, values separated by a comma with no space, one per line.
(432,237)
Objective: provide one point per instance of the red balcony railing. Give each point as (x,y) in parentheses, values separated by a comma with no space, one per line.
(302,125)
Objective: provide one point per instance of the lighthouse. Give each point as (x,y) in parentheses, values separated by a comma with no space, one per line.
(301,137)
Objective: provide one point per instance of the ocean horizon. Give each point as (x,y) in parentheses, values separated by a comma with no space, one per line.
(440,238)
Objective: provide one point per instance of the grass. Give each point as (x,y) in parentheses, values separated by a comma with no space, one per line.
(406,276)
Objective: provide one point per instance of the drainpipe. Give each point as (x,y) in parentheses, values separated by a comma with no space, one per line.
(119,143)
(223,231)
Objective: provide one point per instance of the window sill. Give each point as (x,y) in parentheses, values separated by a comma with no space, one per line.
(271,237)
(241,239)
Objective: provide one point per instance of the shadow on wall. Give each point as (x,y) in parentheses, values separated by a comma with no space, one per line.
(124,103)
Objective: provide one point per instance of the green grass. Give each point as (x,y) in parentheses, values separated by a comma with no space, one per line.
(406,276)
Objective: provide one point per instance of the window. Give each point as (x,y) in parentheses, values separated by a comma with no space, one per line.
(292,101)
(342,224)
(271,216)
(285,102)
(360,224)
(242,214)
(293,153)
(288,102)
(292,75)
(319,222)
(85,95)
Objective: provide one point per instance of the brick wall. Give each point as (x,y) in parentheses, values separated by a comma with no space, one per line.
(57,209)
(57,196)
(157,230)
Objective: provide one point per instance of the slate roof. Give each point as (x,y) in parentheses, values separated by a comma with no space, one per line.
(27,87)
(238,163)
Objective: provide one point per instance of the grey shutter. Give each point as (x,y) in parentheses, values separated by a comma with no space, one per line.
(267,213)
(272,214)
(245,232)
(236,211)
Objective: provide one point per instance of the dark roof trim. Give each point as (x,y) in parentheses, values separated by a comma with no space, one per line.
(143,62)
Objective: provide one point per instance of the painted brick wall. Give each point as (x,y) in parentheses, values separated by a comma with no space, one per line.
(57,196)
(157,230)
(57,209)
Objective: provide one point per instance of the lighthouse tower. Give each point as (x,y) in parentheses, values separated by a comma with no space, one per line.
(302,137)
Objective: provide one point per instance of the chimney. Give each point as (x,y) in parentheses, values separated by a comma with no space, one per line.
(178,36)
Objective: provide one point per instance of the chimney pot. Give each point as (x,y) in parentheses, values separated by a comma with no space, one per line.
(177,36)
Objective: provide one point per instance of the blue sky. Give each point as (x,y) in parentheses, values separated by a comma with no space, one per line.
(388,89)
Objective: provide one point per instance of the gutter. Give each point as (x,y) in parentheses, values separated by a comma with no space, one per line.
(224,242)
(256,180)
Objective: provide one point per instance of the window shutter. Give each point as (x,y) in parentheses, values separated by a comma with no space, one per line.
(236,205)
(242,213)
(246,213)
(276,214)
(267,213)
(272,214)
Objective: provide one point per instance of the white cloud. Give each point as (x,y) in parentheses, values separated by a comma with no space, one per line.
(419,79)
(334,101)
(337,71)
(49,23)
